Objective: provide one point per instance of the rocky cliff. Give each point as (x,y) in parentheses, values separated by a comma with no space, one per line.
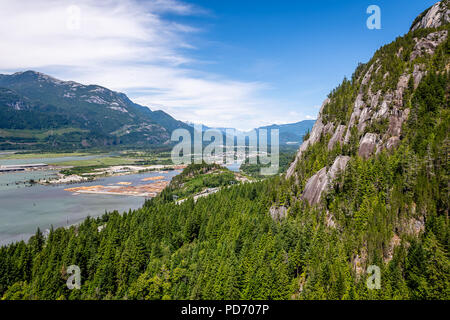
(368,112)
(373,172)
(434,17)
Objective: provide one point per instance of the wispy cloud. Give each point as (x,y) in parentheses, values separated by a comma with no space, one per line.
(129,46)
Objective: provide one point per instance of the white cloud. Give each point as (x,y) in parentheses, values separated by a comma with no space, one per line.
(129,46)
(38,33)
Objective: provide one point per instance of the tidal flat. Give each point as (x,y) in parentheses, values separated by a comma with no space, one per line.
(24,207)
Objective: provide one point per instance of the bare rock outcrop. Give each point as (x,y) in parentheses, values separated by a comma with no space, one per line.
(368,74)
(315,186)
(428,44)
(314,136)
(394,243)
(367,145)
(359,261)
(435,17)
(375,106)
(319,182)
(278,213)
(392,142)
(357,108)
(418,74)
(337,136)
(415,226)
(330,221)
(386,108)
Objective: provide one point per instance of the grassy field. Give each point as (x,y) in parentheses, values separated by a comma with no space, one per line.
(106,161)
(41,155)
(81,166)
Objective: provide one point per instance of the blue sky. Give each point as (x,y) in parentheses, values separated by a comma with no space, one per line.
(219,62)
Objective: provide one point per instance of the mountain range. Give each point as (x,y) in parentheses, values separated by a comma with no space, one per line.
(37,110)
(289,134)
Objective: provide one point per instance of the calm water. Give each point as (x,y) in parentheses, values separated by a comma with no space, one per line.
(234,166)
(24,208)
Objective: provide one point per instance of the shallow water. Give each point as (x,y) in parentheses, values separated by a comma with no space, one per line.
(21,179)
(235,166)
(25,208)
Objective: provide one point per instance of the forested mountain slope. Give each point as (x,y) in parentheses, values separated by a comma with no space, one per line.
(96,116)
(369,186)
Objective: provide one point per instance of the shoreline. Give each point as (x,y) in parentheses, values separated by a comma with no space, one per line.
(112,171)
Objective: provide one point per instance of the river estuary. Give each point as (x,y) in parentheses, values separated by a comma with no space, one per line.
(24,208)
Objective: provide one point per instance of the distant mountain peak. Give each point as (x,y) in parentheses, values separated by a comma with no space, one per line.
(39,76)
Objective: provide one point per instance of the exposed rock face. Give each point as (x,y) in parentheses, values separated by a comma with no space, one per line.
(319,182)
(314,136)
(378,111)
(377,106)
(435,17)
(315,186)
(359,105)
(278,213)
(367,145)
(412,226)
(428,44)
(337,136)
(392,143)
(416,226)
(359,262)
(330,222)
(394,243)
(368,74)
(339,164)
(418,74)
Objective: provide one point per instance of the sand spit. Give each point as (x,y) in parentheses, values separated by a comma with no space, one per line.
(153,178)
(144,190)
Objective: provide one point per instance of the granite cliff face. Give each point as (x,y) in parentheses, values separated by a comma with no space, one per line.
(371,120)
(437,15)
(319,182)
